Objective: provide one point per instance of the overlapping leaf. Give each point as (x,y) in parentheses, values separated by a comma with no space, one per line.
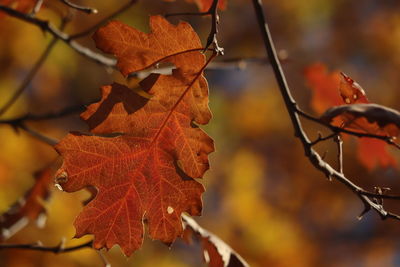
(147,172)
(334,89)
(29,207)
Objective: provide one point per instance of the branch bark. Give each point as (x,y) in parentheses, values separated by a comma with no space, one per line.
(293,111)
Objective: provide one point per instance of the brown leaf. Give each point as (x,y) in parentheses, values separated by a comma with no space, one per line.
(166,42)
(368,118)
(29,207)
(146,152)
(216,253)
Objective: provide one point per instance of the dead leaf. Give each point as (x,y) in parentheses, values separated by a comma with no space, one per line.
(146,152)
(29,207)
(216,253)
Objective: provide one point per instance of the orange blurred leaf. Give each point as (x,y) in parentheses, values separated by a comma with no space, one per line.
(324,87)
(204,5)
(29,207)
(216,253)
(371,153)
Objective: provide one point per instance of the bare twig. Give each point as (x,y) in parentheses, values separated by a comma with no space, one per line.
(47,116)
(88,10)
(37,135)
(89,30)
(339,143)
(39,247)
(292,109)
(103,259)
(337,130)
(212,37)
(322,138)
(32,73)
(48,27)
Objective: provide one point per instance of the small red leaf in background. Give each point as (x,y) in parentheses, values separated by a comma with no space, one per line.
(335,89)
(324,87)
(29,207)
(381,155)
(216,253)
(146,152)
(204,5)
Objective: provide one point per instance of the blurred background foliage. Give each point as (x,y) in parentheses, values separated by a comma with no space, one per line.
(263,196)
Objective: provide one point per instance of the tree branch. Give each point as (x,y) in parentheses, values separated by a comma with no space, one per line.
(39,247)
(85,9)
(337,130)
(34,70)
(48,27)
(291,107)
(212,37)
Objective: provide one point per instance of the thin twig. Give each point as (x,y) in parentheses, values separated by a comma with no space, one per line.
(291,107)
(339,143)
(212,37)
(46,116)
(337,130)
(117,12)
(88,10)
(322,138)
(48,27)
(32,73)
(55,249)
(37,135)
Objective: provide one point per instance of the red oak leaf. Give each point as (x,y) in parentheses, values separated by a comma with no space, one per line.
(336,88)
(204,5)
(136,50)
(381,156)
(146,151)
(28,208)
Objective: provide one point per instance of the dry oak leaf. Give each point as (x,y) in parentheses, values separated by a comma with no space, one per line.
(216,253)
(29,208)
(137,51)
(324,87)
(145,173)
(367,118)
